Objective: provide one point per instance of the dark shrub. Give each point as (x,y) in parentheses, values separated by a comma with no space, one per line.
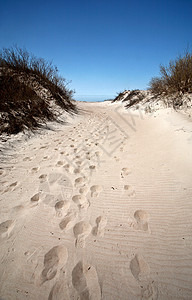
(28,85)
(175,79)
(130,97)
(134,97)
(20,106)
(119,96)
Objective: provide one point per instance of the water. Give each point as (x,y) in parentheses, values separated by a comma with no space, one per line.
(93,98)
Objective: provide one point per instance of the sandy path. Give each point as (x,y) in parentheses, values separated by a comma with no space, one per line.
(99,209)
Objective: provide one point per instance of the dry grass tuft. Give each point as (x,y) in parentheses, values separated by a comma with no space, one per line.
(30,91)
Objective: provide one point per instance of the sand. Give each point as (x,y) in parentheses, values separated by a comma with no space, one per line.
(99,208)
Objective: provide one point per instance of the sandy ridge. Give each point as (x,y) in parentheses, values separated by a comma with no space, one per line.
(99,209)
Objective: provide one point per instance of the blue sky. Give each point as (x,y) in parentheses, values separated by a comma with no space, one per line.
(102,47)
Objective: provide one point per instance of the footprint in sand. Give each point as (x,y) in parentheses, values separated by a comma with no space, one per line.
(150,293)
(68,168)
(6,228)
(141,217)
(2,172)
(54,177)
(19,210)
(59,163)
(81,201)
(99,230)
(77,170)
(11,187)
(49,199)
(61,207)
(88,145)
(125,172)
(92,168)
(84,190)
(35,198)
(43,178)
(129,190)
(44,186)
(78,162)
(65,182)
(98,153)
(88,155)
(80,181)
(53,260)
(96,190)
(81,231)
(85,281)
(68,222)
(27,158)
(60,289)
(35,170)
(63,152)
(46,157)
(139,268)
(116,158)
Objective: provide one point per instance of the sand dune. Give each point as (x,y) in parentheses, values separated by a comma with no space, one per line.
(99,208)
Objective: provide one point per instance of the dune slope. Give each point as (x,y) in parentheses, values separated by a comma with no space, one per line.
(100,208)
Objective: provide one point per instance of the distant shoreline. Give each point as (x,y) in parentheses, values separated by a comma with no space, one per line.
(94,98)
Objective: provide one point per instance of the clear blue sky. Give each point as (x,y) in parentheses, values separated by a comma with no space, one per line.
(102,46)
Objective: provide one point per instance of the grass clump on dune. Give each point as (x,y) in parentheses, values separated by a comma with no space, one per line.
(20,106)
(31,91)
(175,80)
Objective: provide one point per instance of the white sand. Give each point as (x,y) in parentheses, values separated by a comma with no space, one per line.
(100,208)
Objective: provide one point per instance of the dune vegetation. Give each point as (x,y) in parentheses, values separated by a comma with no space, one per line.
(173,86)
(175,80)
(31,91)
